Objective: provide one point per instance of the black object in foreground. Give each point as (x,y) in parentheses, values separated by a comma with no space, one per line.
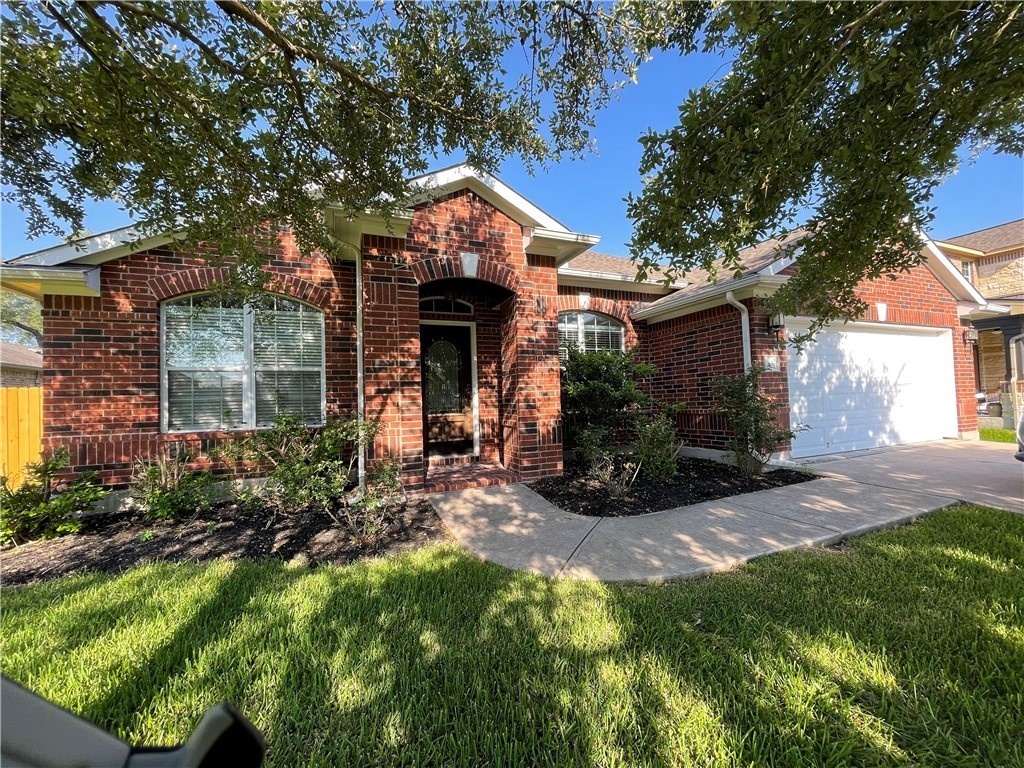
(36,733)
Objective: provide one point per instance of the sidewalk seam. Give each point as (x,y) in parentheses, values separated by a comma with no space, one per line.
(578,546)
(791,519)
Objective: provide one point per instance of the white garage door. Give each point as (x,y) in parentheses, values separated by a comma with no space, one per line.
(867,385)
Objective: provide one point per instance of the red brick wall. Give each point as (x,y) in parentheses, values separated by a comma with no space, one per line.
(525,427)
(101,356)
(691,351)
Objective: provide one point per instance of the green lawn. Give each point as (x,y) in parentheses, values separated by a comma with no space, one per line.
(907,648)
(998,435)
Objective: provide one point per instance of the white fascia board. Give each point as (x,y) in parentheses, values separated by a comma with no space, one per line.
(780,264)
(948,275)
(587,279)
(349,230)
(968,310)
(562,244)
(94,249)
(752,286)
(36,282)
(493,190)
(944,246)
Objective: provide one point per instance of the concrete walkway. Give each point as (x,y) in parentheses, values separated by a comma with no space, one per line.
(515,527)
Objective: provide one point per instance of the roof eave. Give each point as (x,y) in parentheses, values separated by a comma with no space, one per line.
(37,282)
(751,286)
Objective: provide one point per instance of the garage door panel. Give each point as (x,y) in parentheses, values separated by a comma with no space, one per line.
(867,386)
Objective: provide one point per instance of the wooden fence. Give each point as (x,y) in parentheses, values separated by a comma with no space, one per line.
(21,425)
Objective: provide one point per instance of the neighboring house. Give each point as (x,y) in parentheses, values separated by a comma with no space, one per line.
(20,366)
(447,327)
(993,261)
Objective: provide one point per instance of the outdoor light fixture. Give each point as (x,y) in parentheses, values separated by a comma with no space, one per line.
(970,335)
(776,323)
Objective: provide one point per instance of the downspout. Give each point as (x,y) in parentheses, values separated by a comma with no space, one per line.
(744,327)
(360,371)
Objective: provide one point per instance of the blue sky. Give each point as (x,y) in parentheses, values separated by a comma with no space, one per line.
(587,194)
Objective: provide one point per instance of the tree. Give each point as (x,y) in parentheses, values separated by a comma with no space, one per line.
(212,118)
(854,112)
(20,321)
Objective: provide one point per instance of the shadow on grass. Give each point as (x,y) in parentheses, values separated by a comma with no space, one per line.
(907,648)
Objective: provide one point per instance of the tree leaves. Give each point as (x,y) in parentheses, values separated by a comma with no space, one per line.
(211,118)
(851,111)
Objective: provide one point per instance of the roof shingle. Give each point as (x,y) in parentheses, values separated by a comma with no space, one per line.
(996,238)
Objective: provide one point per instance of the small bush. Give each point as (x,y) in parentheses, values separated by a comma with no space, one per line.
(602,391)
(657,446)
(307,469)
(44,506)
(616,474)
(364,518)
(752,416)
(590,443)
(166,487)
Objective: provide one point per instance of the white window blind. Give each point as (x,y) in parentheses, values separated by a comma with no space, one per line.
(589,332)
(230,366)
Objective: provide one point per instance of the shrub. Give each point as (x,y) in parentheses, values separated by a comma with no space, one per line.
(616,474)
(365,517)
(307,468)
(657,446)
(45,506)
(590,443)
(753,419)
(601,394)
(166,487)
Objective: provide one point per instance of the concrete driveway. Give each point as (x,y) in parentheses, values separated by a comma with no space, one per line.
(985,473)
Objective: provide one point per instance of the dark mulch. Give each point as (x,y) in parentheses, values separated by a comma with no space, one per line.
(698,480)
(111,543)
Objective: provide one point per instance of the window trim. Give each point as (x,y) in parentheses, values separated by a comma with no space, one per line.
(247,370)
(967,270)
(580,336)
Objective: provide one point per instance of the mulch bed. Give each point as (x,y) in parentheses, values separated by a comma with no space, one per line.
(698,480)
(112,543)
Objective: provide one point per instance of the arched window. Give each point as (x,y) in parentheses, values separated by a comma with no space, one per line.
(589,332)
(447,306)
(229,365)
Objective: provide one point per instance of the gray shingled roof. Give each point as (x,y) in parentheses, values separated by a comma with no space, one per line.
(17,356)
(592,261)
(753,259)
(993,238)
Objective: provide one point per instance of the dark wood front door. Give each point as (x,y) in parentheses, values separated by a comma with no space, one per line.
(447,364)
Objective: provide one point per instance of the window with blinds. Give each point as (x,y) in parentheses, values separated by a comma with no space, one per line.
(589,332)
(227,365)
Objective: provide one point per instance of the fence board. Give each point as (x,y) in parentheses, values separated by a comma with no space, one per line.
(21,409)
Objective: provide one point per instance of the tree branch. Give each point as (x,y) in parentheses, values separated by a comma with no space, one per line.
(294,52)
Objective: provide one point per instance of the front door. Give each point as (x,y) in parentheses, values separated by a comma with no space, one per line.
(447,364)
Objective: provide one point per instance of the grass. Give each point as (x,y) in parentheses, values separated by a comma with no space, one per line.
(906,648)
(998,435)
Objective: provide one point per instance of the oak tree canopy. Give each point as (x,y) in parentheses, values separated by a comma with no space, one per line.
(210,118)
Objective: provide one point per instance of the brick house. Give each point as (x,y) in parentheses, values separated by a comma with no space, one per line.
(992,260)
(447,328)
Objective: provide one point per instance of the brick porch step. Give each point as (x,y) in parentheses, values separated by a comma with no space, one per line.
(458,477)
